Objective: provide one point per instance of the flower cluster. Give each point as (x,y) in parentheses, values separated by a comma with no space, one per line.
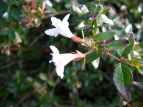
(60,60)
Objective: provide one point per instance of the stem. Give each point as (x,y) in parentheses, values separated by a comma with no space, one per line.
(121,60)
(89,52)
(87,44)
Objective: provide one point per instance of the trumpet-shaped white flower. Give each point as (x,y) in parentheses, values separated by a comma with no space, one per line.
(61,60)
(61,27)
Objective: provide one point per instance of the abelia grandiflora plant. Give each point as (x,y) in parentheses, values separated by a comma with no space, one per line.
(33,13)
(101,43)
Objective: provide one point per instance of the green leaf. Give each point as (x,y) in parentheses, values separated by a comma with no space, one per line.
(104,36)
(51,9)
(140,70)
(95,63)
(123,80)
(3,6)
(117,44)
(43,76)
(129,48)
(85,16)
(136,104)
(138,84)
(104,10)
(91,57)
(37,21)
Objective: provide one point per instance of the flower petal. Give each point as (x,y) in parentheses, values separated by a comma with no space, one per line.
(52,32)
(60,71)
(106,19)
(65,20)
(55,21)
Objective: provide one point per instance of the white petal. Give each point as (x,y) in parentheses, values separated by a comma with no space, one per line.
(54,49)
(65,20)
(64,59)
(60,71)
(99,20)
(52,32)
(55,21)
(106,20)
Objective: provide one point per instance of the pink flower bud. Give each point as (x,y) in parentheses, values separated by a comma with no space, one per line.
(33,11)
(77,39)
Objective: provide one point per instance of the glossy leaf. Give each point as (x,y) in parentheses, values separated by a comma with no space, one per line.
(138,84)
(117,44)
(140,70)
(129,48)
(104,36)
(123,80)
(95,63)
(37,21)
(91,57)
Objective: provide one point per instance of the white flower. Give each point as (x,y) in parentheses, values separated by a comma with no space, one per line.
(61,60)
(80,11)
(103,18)
(5,15)
(61,27)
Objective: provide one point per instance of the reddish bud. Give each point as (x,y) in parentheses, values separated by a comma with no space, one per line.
(33,11)
(33,4)
(77,39)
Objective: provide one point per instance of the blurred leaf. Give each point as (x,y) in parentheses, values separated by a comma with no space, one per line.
(138,84)
(95,10)
(123,80)
(51,9)
(16,12)
(117,44)
(128,29)
(43,76)
(37,21)
(136,104)
(96,62)
(104,10)
(104,36)
(140,70)
(3,6)
(85,16)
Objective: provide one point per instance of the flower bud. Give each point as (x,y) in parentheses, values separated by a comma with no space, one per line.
(77,39)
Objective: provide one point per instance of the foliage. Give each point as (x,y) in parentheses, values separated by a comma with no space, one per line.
(108,34)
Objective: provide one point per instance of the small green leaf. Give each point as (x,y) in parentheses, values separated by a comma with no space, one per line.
(129,48)
(140,70)
(123,80)
(95,63)
(104,10)
(43,76)
(37,21)
(51,9)
(138,84)
(117,44)
(104,36)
